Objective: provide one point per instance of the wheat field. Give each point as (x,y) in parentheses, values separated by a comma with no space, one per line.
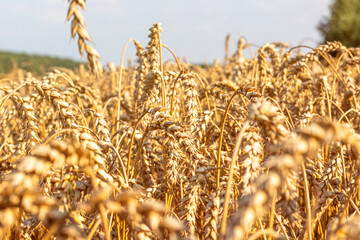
(264,147)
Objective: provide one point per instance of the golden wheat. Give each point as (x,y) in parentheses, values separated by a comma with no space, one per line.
(260,148)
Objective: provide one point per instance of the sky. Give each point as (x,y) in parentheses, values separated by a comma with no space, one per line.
(195,29)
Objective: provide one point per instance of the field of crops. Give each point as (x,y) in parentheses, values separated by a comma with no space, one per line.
(264,147)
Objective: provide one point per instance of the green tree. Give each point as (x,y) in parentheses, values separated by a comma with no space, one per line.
(343,24)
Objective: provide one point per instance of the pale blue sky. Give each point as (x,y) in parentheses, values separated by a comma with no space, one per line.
(195,29)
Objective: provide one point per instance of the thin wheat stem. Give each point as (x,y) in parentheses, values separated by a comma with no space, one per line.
(131,144)
(272,213)
(4,99)
(221,139)
(230,179)
(93,229)
(119,87)
(173,93)
(173,54)
(307,202)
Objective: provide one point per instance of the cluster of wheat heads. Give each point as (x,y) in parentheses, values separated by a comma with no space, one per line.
(253,148)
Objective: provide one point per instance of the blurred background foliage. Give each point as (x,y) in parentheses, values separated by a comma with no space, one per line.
(343,23)
(38,64)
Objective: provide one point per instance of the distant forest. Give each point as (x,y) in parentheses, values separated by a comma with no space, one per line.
(33,63)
